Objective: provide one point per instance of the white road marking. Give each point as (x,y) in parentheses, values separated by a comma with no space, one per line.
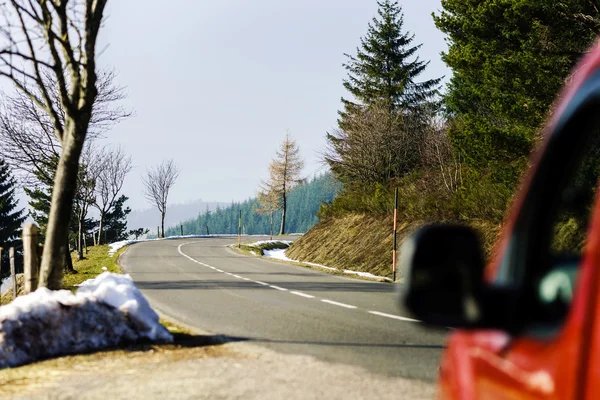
(308,296)
(335,303)
(393,316)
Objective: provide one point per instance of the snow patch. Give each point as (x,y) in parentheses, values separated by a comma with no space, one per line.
(5,285)
(261,242)
(104,312)
(276,253)
(280,255)
(366,275)
(116,246)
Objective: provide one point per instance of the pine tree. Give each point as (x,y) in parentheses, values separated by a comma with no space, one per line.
(385,68)
(116,221)
(284,174)
(11,218)
(509,59)
(382,129)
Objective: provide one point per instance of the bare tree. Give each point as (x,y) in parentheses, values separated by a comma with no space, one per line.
(27,139)
(114,167)
(284,174)
(56,37)
(85,196)
(378,144)
(158,182)
(439,154)
(268,203)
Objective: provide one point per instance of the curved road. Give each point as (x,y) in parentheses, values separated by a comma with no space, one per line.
(286,308)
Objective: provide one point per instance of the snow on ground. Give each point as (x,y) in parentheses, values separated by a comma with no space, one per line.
(280,255)
(276,253)
(5,284)
(116,246)
(261,242)
(104,312)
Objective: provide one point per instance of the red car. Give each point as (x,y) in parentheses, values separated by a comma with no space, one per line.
(528,324)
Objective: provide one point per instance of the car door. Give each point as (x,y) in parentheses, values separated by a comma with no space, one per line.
(548,257)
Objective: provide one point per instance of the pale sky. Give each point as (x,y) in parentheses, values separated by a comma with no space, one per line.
(215,84)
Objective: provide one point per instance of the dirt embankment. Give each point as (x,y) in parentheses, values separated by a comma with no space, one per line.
(364,243)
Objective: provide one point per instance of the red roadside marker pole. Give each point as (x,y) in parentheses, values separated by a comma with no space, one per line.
(395,219)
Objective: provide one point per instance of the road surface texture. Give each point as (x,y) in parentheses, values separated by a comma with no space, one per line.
(340,321)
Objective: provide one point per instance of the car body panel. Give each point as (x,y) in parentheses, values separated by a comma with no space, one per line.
(481,364)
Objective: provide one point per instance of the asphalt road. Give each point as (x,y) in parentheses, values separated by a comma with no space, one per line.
(289,309)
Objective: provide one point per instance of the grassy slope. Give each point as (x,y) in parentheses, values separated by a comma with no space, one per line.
(363,242)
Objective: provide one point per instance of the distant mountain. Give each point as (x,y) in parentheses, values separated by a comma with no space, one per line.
(176,213)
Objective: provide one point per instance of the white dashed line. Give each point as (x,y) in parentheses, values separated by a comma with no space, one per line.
(393,316)
(335,303)
(308,296)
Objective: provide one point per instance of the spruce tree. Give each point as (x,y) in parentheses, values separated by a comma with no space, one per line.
(116,221)
(382,129)
(386,68)
(11,218)
(509,60)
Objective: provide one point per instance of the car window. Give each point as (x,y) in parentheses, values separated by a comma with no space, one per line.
(568,236)
(576,201)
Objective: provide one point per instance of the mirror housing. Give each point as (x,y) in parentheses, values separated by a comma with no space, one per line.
(443,266)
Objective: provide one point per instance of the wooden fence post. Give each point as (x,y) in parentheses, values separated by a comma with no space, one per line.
(11,254)
(30,257)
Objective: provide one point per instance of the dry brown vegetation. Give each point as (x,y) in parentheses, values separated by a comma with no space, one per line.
(363,242)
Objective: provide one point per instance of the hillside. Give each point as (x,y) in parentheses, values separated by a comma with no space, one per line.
(304,202)
(364,242)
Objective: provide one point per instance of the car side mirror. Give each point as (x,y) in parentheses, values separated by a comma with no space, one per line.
(444,265)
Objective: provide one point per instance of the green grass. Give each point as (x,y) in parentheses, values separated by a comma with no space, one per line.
(91,266)
(88,268)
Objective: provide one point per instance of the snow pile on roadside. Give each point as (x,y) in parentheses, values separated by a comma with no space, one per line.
(5,285)
(280,255)
(104,312)
(261,242)
(116,246)
(276,253)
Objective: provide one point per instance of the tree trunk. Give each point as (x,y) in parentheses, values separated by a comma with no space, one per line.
(61,207)
(282,230)
(271,224)
(80,239)
(162,224)
(100,226)
(68,261)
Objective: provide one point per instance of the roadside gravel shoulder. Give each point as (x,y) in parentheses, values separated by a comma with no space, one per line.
(229,371)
